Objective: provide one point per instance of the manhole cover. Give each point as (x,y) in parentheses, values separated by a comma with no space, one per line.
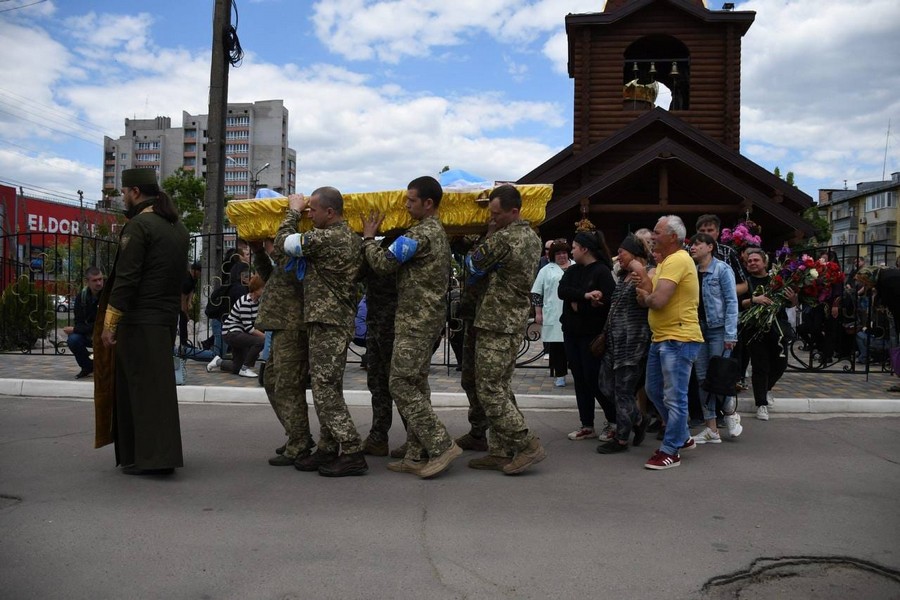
(823,578)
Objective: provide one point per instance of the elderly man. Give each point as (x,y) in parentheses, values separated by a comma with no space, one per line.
(421,259)
(140,320)
(506,259)
(79,335)
(329,261)
(672,295)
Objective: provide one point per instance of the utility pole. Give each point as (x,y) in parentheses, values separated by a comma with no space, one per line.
(214,209)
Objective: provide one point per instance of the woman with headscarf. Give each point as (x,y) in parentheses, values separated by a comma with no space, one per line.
(628,340)
(548,308)
(586,289)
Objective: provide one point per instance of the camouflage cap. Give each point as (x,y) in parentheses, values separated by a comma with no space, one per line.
(138,177)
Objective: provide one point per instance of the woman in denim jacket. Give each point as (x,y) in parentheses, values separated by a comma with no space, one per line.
(718,313)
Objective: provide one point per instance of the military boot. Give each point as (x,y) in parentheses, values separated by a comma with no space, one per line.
(353,463)
(406,466)
(471,442)
(531,454)
(440,462)
(312,462)
(373,447)
(399,452)
(490,462)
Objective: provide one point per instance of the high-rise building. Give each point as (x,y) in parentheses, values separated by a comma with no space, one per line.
(256,148)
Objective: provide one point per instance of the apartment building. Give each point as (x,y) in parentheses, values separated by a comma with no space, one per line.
(256,148)
(868,215)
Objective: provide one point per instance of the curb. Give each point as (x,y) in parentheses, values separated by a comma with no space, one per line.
(198,394)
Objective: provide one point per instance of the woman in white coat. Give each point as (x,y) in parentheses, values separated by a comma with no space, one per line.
(548,308)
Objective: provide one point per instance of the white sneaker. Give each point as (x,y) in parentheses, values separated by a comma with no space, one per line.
(762,413)
(560,382)
(608,432)
(708,436)
(733,422)
(585,433)
(246,372)
(770,398)
(213,364)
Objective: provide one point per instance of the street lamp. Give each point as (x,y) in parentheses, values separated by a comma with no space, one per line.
(254,183)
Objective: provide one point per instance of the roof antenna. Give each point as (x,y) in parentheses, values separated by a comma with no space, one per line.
(886,141)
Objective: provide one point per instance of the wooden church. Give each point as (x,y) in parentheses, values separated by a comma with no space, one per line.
(631,161)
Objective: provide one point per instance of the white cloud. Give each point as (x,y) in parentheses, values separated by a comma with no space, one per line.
(822,75)
(390,30)
(349,130)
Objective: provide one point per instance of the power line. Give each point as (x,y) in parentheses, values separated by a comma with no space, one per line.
(54,109)
(23,6)
(84,139)
(44,120)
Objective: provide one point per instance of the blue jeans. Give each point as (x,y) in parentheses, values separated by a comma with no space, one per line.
(267,347)
(668,375)
(218,342)
(874,343)
(714,345)
(79,345)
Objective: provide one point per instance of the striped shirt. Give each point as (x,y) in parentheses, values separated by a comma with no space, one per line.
(242,316)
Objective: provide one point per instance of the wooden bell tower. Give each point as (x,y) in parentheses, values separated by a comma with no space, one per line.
(622,57)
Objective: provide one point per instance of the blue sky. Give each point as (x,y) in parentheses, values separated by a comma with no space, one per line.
(382,91)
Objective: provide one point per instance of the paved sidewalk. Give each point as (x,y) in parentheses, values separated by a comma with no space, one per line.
(53,376)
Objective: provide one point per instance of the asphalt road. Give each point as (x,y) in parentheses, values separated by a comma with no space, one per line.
(578,525)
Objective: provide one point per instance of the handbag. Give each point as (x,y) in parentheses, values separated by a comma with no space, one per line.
(722,375)
(598,344)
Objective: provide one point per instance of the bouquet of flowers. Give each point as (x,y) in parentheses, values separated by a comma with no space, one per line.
(744,235)
(813,283)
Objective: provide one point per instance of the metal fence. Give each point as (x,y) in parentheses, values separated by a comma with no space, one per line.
(41,274)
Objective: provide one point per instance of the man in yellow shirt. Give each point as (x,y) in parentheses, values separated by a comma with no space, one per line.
(672,295)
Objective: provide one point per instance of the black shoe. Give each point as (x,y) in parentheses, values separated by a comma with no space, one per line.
(654,425)
(132,470)
(611,447)
(661,433)
(280,449)
(83,373)
(640,431)
(280,460)
(312,462)
(344,465)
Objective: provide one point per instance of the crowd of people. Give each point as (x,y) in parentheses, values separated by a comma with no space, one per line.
(633,329)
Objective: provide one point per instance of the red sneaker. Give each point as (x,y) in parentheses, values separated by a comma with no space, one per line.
(690,444)
(660,460)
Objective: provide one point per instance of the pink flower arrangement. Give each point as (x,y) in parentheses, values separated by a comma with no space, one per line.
(741,237)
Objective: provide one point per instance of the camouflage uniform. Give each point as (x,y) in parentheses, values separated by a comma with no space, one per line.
(287,371)
(472,292)
(421,307)
(506,259)
(381,297)
(333,259)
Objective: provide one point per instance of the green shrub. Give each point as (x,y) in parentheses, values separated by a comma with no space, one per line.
(27,313)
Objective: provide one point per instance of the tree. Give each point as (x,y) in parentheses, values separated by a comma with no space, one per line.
(777,172)
(820,224)
(187,192)
(789,179)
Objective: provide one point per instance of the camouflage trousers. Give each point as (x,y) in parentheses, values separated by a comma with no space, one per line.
(410,363)
(478,421)
(327,359)
(286,378)
(379,348)
(495,361)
